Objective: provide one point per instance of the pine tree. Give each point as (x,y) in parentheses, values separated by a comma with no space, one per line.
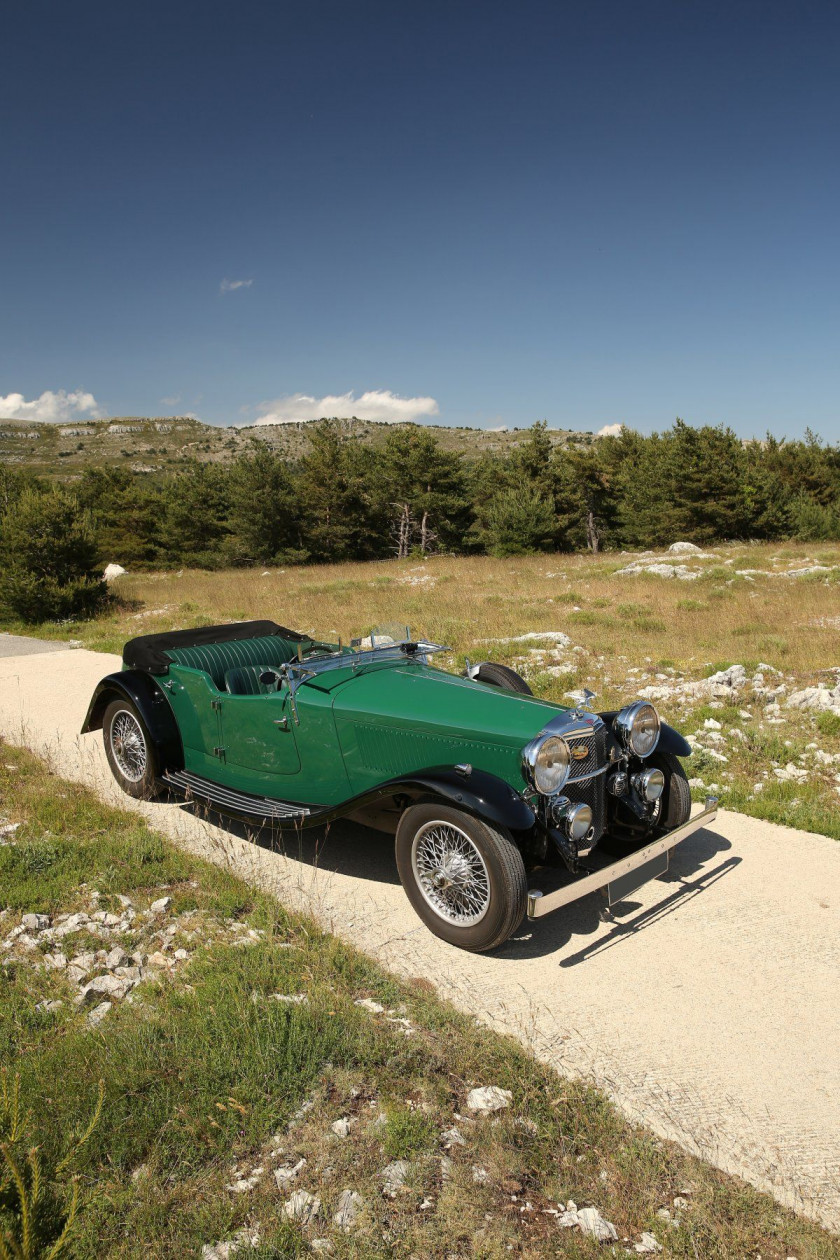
(49,559)
(424,491)
(264,508)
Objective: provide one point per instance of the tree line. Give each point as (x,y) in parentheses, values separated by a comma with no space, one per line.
(345,500)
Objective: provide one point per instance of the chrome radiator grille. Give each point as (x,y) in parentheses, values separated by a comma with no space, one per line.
(585,784)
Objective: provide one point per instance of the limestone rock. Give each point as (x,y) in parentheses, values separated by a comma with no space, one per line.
(394,1177)
(593,1224)
(113,571)
(349,1205)
(161,905)
(302,1206)
(489,1098)
(35,922)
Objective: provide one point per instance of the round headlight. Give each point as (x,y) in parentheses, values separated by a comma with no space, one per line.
(547,764)
(637,727)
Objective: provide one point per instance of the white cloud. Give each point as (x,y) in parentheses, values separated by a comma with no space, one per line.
(51,407)
(374,404)
(610,430)
(228,286)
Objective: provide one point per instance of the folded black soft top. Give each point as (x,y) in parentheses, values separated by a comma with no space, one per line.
(148,651)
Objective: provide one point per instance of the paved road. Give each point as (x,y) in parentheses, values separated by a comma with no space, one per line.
(709,1010)
(19,645)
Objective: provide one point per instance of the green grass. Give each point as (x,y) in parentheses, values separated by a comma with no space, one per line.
(204,1072)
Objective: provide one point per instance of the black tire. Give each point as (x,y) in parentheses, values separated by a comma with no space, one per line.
(498,884)
(675,808)
(128,746)
(502,676)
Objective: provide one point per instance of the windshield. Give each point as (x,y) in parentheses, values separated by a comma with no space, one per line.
(381,643)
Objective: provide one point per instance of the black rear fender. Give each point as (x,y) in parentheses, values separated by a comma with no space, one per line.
(147,697)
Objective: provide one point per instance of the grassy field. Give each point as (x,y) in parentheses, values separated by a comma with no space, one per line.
(233,1041)
(626,632)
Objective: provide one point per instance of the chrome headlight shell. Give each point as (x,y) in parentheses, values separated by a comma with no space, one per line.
(637,726)
(547,761)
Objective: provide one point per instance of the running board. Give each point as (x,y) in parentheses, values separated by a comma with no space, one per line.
(263,807)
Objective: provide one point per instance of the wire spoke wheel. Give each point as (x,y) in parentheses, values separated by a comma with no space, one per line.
(128,746)
(451,873)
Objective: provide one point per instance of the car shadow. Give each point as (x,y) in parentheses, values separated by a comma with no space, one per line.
(691,871)
(358,851)
(342,846)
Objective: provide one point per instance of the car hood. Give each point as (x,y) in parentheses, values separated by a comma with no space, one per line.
(420,698)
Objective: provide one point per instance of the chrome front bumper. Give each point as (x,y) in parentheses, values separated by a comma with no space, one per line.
(653,859)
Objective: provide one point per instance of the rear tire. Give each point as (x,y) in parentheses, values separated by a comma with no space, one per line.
(464,878)
(129,750)
(502,676)
(675,808)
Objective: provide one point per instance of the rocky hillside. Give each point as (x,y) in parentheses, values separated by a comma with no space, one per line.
(160,444)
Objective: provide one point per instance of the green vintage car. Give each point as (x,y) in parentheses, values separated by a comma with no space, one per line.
(477,778)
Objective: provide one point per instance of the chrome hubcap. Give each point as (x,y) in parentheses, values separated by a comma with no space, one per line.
(128,746)
(450,873)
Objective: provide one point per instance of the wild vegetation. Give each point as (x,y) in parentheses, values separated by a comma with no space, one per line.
(190,1065)
(574,621)
(344,499)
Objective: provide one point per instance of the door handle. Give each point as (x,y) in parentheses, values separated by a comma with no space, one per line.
(282,722)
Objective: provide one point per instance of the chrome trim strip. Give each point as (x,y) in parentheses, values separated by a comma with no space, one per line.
(258,806)
(539,904)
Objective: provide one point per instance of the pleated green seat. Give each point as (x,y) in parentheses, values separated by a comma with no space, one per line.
(244,680)
(216,659)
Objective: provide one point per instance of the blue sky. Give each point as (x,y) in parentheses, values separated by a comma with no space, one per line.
(486,213)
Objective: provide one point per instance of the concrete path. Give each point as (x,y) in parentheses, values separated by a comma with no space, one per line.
(20,645)
(709,1011)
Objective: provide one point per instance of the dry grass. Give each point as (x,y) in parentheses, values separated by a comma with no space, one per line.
(209,1081)
(665,630)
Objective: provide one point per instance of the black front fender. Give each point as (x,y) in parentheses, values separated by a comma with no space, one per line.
(478,792)
(670,741)
(147,697)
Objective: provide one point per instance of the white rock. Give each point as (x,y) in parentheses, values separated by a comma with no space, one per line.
(98,1013)
(592,1223)
(818,698)
(489,1098)
(113,571)
(712,725)
(285,1176)
(684,549)
(117,957)
(568,1220)
(735,676)
(55,962)
(181,955)
(647,1245)
(368,1004)
(452,1137)
(294,999)
(322,1246)
(680,1203)
(72,923)
(35,922)
(394,1177)
(47,1005)
(244,1239)
(161,905)
(104,986)
(341,1128)
(479,1175)
(349,1205)
(302,1206)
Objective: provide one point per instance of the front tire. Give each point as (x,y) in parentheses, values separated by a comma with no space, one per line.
(129,750)
(464,878)
(674,809)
